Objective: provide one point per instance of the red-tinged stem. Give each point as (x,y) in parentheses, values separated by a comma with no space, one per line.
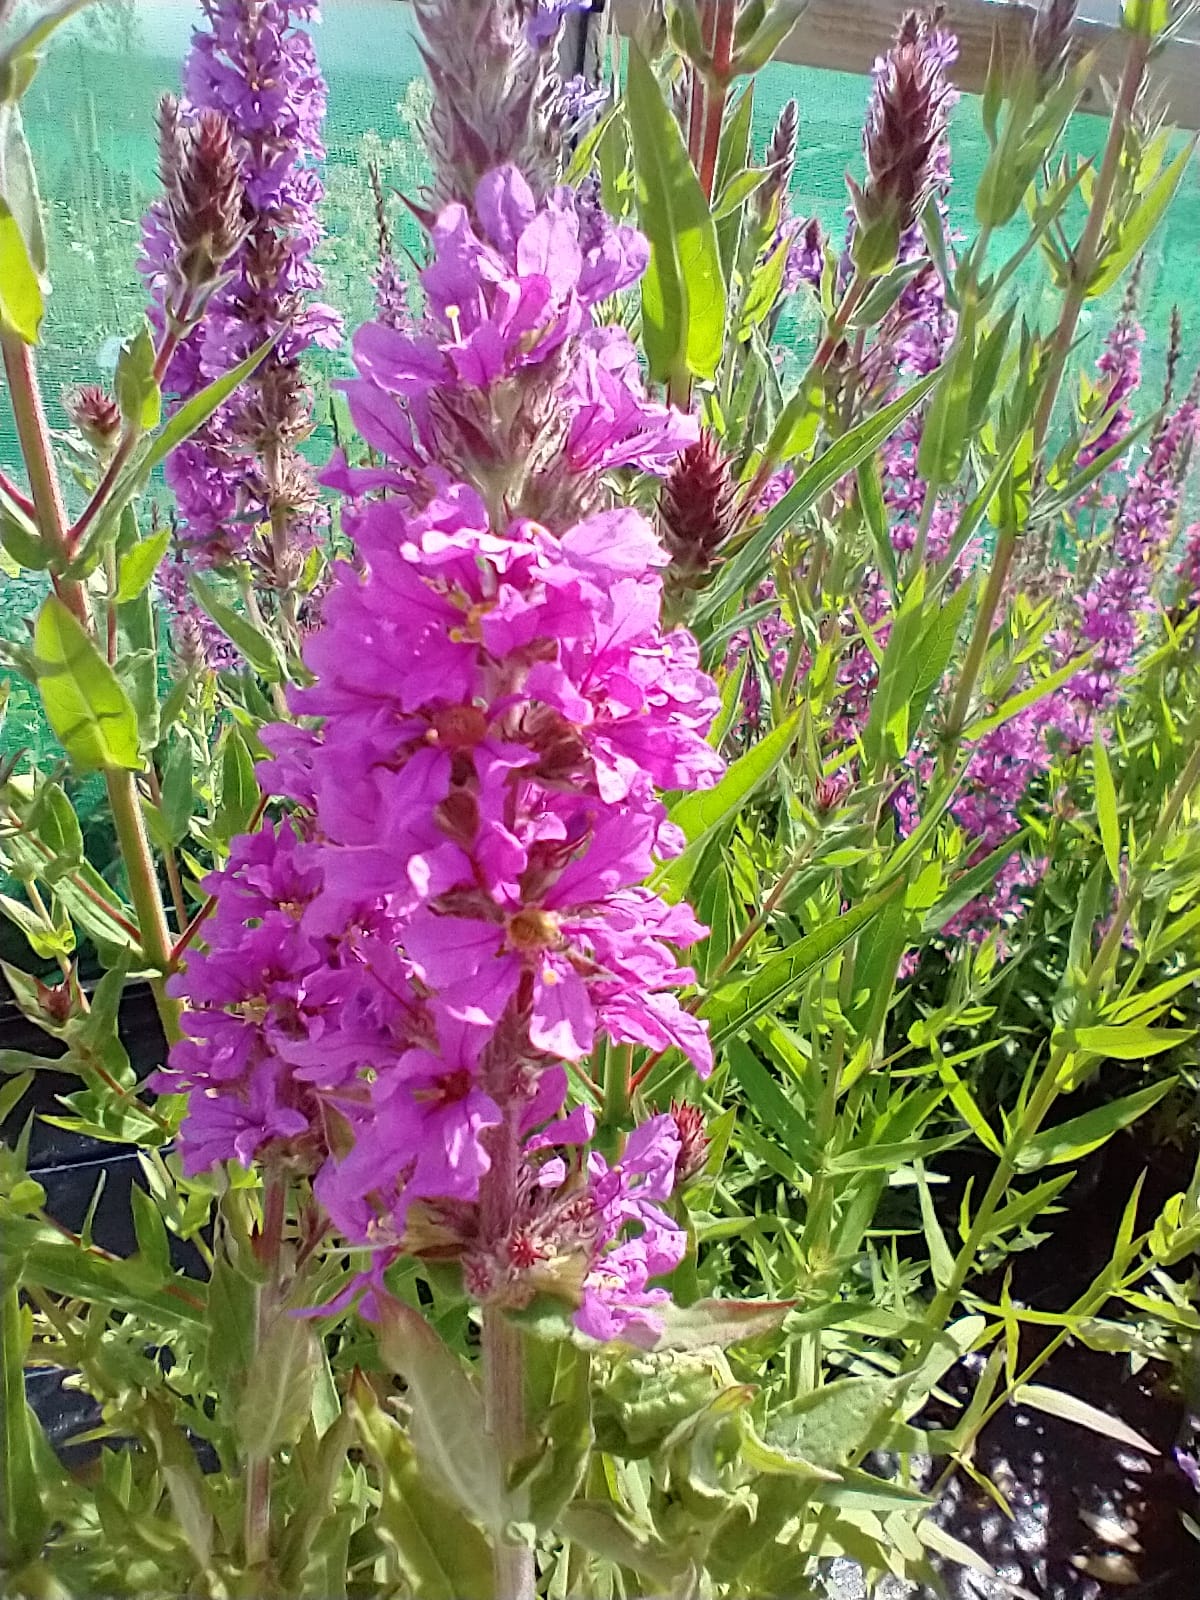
(124,449)
(15,495)
(716,92)
(33,434)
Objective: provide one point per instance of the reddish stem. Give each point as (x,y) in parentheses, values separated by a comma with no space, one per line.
(716,92)
(15,495)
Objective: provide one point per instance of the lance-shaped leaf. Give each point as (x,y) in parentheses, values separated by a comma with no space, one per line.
(86,706)
(683,291)
(22,1519)
(441,1554)
(1079,1136)
(733,1008)
(718,1324)
(449,1430)
(21,303)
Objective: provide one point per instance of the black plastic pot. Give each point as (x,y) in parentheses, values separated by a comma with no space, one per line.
(69,1166)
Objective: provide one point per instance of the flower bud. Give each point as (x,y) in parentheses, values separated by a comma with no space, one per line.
(693,1142)
(830,793)
(1051,44)
(905,125)
(204,193)
(696,508)
(96,415)
(780,160)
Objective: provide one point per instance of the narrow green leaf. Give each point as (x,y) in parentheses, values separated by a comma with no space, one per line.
(683,291)
(22,1519)
(1141,225)
(733,1008)
(251,641)
(150,1231)
(137,390)
(1081,1135)
(1106,807)
(841,458)
(239,787)
(1017,703)
(700,814)
(1069,1408)
(138,566)
(85,704)
(448,1427)
(1130,1042)
(276,1402)
(194,413)
(21,303)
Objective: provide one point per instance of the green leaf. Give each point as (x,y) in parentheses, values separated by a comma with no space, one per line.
(1131,1042)
(1137,230)
(276,1402)
(150,1231)
(31,41)
(841,458)
(830,1425)
(971,883)
(239,787)
(683,291)
(178,793)
(194,413)
(442,1555)
(61,1265)
(85,704)
(700,814)
(449,1431)
(22,1519)
(257,648)
(137,390)
(139,564)
(733,1008)
(1017,703)
(599,1526)
(763,290)
(719,1324)
(566,1438)
(20,537)
(1054,1403)
(1081,1135)
(52,819)
(21,303)
(1106,807)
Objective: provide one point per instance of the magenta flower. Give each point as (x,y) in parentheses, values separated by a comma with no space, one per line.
(513,310)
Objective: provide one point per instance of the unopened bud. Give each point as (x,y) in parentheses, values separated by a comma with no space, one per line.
(697,507)
(693,1142)
(830,793)
(1051,44)
(780,158)
(204,193)
(96,415)
(905,124)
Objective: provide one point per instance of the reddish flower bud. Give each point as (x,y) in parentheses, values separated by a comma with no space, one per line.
(204,192)
(905,124)
(696,507)
(831,792)
(693,1142)
(96,415)
(1051,44)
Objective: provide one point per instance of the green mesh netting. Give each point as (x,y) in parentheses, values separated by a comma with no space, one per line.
(90,118)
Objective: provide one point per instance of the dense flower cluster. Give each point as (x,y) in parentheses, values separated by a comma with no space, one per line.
(254,65)
(1113,610)
(397,976)
(513,384)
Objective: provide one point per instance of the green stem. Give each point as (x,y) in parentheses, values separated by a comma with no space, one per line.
(257,1524)
(503,1355)
(1087,253)
(144,891)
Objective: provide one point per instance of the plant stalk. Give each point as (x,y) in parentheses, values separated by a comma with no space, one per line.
(503,1356)
(257,1526)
